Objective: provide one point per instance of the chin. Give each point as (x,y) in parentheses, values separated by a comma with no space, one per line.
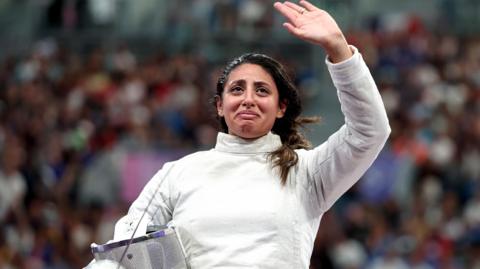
(246,132)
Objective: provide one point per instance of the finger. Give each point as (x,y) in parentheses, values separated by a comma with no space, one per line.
(309,6)
(292,29)
(286,11)
(295,7)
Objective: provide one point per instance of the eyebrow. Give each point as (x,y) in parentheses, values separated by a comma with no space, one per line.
(243,82)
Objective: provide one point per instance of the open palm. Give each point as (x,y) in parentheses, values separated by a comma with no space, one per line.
(313,24)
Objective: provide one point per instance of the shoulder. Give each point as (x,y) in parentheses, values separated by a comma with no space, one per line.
(195,156)
(177,168)
(303,156)
(307,153)
(309,158)
(193,159)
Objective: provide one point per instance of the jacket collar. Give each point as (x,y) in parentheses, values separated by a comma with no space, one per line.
(234,144)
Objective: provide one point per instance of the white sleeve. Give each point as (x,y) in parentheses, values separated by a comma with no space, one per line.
(337,164)
(154,200)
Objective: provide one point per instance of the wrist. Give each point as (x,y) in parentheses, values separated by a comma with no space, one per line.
(338,51)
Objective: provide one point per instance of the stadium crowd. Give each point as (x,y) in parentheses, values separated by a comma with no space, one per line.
(68,122)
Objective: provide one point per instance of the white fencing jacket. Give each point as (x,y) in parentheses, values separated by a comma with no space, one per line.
(228,204)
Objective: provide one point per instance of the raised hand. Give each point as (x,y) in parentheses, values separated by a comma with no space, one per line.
(315,25)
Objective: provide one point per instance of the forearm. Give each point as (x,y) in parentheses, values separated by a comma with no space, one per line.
(361,103)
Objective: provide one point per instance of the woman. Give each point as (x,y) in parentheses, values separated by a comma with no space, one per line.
(257,198)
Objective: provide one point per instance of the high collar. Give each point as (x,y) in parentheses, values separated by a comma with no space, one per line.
(234,144)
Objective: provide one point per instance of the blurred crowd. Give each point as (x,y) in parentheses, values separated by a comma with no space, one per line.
(69,119)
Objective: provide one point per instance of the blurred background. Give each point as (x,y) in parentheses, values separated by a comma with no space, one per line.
(96,95)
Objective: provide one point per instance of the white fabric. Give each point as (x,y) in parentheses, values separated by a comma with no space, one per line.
(228,203)
(12,190)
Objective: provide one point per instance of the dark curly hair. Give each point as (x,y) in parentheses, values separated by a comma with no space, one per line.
(286,127)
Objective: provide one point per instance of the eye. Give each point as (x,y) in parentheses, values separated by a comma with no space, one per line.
(236,90)
(262,91)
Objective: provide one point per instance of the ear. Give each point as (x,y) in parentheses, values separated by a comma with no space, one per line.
(219,104)
(282,107)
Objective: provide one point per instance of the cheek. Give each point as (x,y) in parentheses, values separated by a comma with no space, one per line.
(225,105)
(231,104)
(268,106)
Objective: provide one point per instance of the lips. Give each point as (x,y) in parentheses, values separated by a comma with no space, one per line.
(247,115)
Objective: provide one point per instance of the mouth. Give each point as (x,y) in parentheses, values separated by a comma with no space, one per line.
(247,115)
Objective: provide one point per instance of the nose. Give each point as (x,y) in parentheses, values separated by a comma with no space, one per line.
(248,99)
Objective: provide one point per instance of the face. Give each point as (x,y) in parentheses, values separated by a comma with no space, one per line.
(250,102)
